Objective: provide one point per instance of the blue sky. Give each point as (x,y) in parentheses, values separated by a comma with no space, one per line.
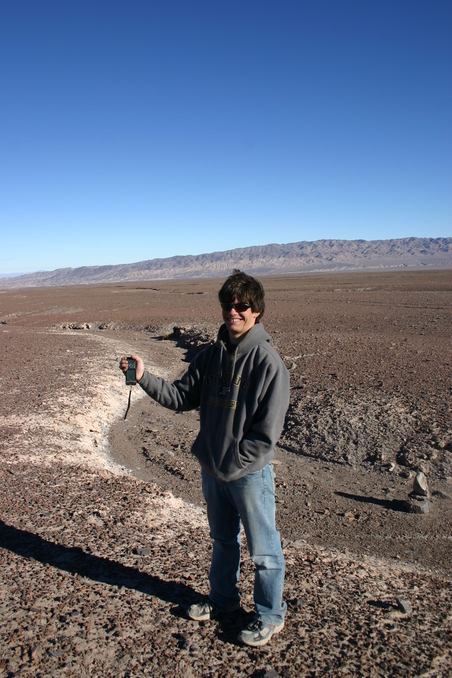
(143,129)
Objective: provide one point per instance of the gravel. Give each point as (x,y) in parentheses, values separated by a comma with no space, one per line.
(103,534)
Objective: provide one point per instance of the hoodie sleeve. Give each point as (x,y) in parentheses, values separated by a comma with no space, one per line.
(182,394)
(268,420)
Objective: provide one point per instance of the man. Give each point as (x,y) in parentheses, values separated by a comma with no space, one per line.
(241,386)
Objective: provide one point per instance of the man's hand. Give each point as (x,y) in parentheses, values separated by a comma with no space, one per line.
(140,365)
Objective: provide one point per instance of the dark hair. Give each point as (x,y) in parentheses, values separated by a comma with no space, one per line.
(245,288)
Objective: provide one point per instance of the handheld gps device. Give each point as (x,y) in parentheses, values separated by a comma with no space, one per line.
(131,373)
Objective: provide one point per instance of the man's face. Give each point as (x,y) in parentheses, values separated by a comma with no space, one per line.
(238,322)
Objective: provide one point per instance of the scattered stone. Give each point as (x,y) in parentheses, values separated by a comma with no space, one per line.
(420,486)
(418,504)
(299,602)
(404,606)
(55,653)
(418,500)
(76,326)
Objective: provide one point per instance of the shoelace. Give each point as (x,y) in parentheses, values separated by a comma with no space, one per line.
(255,625)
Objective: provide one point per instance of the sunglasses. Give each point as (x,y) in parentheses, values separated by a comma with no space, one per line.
(240,307)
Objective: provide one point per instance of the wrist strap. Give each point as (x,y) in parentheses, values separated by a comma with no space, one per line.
(128,405)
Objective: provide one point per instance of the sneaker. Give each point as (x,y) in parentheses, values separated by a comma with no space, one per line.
(209,610)
(259,632)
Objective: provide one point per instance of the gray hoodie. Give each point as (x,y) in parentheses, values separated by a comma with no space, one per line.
(243,397)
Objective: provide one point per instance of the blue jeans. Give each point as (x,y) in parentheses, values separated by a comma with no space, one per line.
(250,499)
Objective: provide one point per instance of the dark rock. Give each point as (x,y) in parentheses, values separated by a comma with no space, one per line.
(416,504)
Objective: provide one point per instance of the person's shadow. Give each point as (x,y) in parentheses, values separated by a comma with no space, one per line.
(99,569)
(96,568)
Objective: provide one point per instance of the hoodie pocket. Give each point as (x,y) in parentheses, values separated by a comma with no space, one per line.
(218,453)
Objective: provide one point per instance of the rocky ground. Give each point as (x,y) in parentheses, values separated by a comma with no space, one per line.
(103,535)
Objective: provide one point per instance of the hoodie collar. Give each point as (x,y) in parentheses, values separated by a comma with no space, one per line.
(255,336)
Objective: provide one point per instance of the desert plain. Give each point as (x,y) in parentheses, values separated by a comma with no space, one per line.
(103,533)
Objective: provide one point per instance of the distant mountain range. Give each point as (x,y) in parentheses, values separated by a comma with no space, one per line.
(300,257)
